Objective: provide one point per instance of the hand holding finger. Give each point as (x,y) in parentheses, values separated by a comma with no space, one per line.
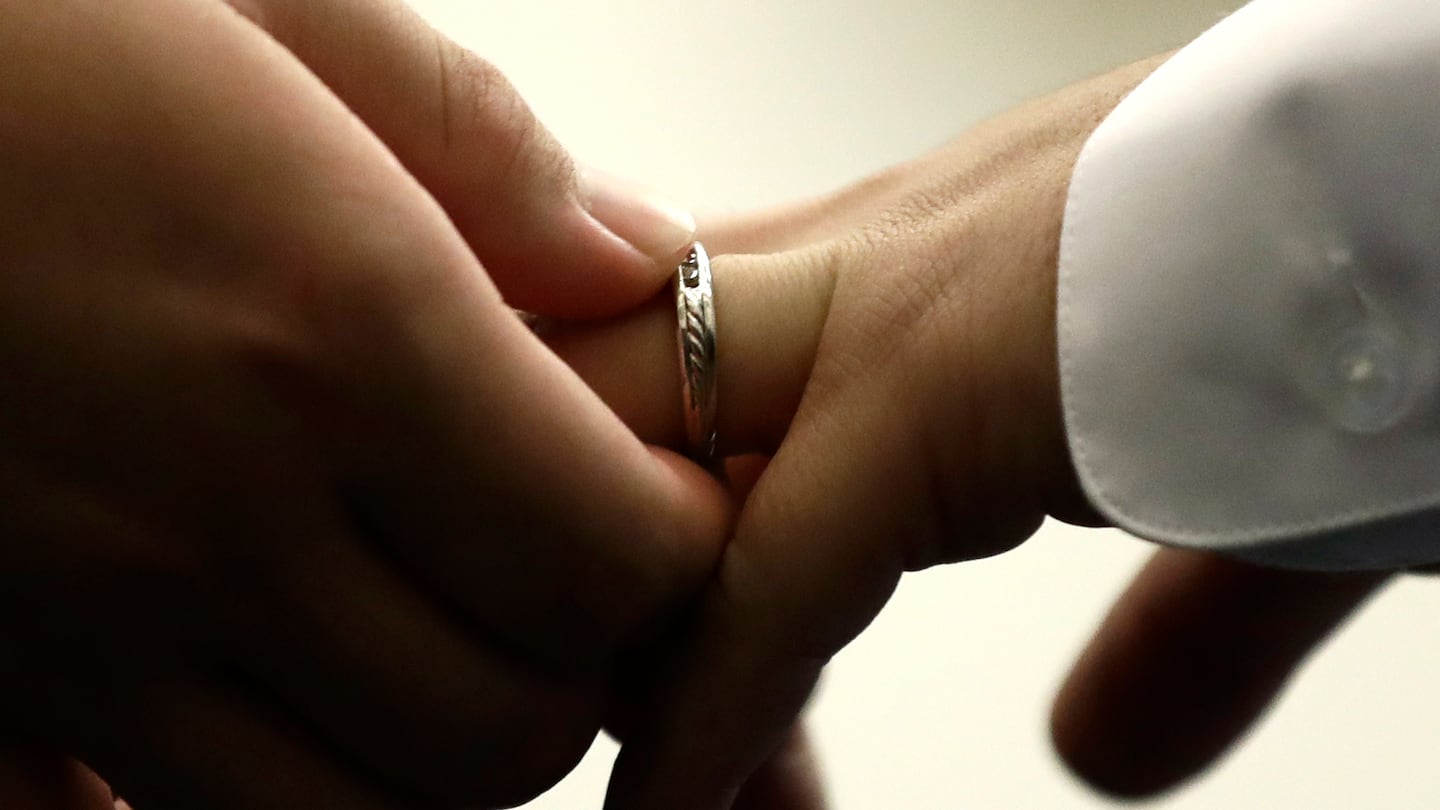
(902,371)
(263,386)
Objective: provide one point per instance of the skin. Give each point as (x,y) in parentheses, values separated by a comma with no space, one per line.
(893,346)
(892,349)
(1190,656)
(316,266)
(283,524)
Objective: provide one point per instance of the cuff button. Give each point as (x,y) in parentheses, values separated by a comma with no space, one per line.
(1364,379)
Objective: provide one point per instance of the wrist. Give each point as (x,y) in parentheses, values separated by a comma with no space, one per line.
(1017,433)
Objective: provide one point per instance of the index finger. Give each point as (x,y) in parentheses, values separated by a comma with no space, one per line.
(1189,657)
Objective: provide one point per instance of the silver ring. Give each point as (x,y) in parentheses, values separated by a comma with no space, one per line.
(695,311)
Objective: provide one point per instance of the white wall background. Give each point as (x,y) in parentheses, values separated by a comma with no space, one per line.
(726,104)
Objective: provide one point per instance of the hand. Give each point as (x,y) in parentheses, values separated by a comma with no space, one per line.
(1189,657)
(297,513)
(894,347)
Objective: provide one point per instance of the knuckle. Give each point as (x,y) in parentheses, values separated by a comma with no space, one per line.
(286,399)
(475,97)
(334,325)
(481,111)
(285,353)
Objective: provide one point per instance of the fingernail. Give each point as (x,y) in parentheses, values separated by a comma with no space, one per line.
(650,223)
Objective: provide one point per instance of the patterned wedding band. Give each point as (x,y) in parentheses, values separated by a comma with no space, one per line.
(695,308)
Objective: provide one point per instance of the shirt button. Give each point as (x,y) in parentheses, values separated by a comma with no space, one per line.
(1365,381)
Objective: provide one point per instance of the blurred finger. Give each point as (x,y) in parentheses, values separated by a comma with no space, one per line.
(1189,657)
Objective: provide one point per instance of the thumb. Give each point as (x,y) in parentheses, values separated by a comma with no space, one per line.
(556,241)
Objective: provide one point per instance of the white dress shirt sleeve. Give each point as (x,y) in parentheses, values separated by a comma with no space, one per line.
(1249,294)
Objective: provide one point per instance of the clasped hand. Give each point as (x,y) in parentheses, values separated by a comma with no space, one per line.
(300,514)
(297,512)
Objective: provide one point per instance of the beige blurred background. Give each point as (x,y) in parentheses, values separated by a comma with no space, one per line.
(727,104)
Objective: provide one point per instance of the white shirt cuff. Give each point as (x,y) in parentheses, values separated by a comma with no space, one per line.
(1249,294)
